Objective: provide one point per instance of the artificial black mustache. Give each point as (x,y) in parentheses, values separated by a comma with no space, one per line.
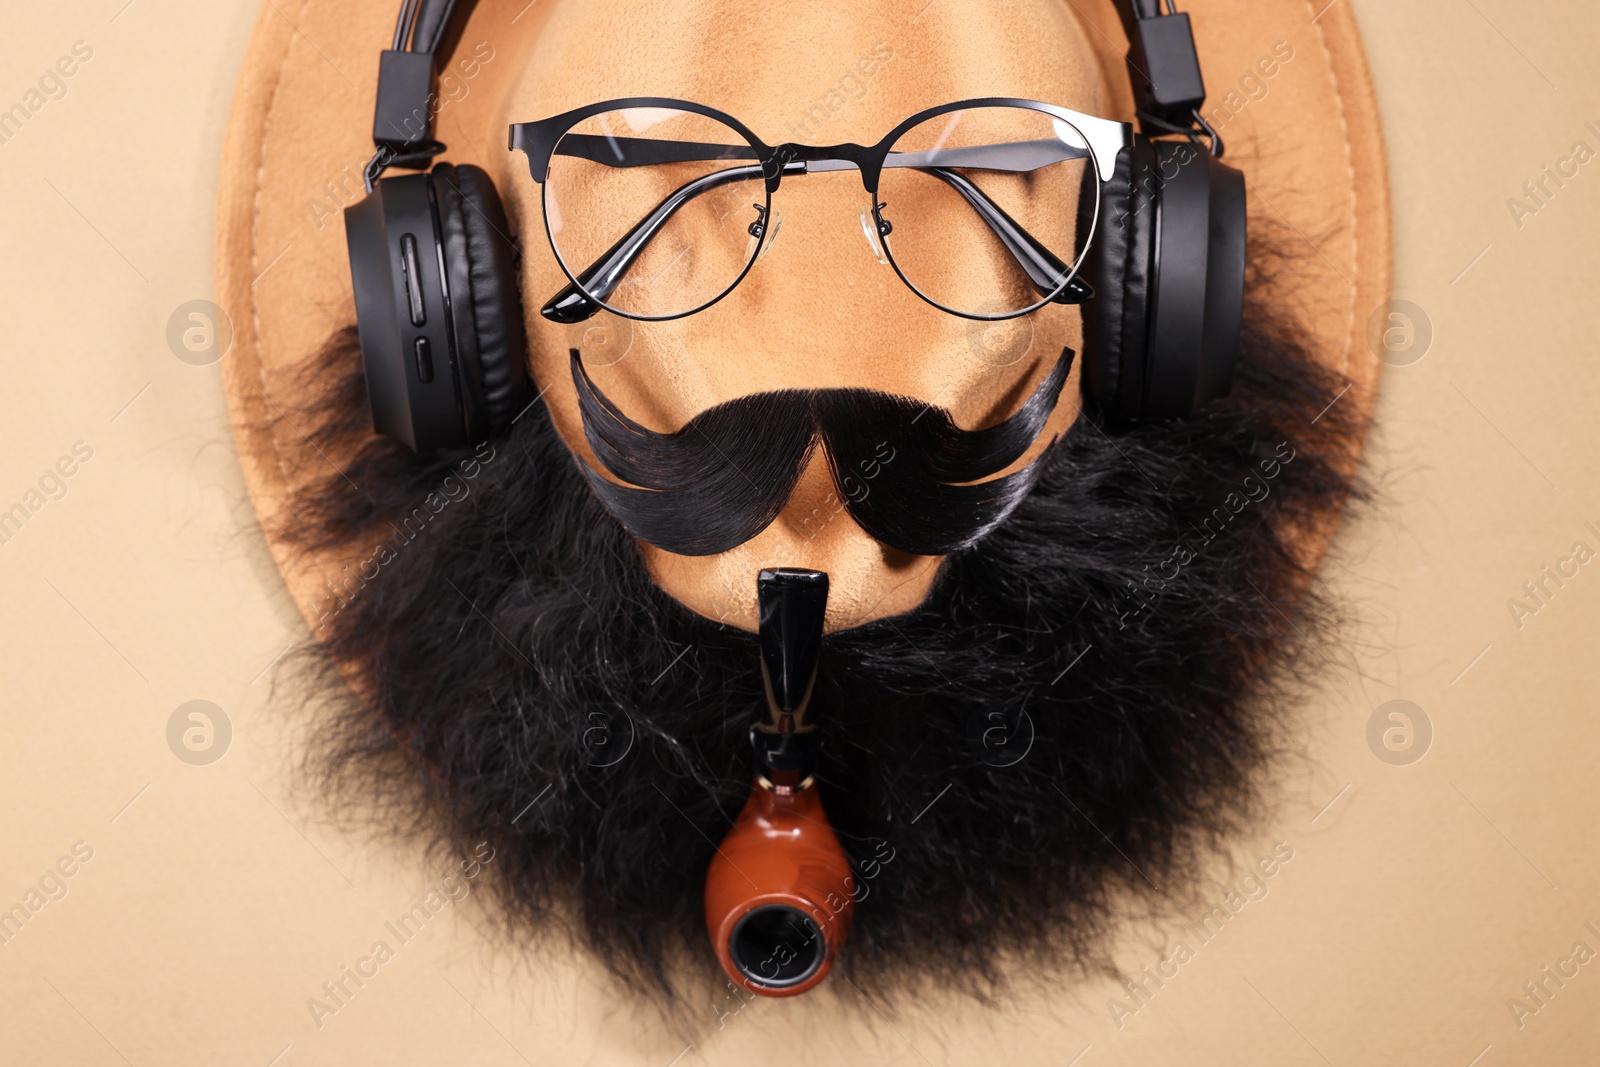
(902,468)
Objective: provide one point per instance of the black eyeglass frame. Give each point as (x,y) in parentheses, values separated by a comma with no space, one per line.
(1103,139)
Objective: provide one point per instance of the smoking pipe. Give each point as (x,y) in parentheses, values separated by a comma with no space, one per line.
(778,892)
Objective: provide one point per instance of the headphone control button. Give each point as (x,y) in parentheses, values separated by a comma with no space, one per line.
(424,360)
(411,270)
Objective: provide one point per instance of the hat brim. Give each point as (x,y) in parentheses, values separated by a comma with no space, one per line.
(1304,130)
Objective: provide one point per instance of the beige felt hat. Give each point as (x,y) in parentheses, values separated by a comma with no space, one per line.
(1288,89)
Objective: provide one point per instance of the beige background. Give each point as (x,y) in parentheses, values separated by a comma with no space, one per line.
(218,898)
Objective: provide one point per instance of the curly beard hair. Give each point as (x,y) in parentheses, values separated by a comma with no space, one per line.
(1077,711)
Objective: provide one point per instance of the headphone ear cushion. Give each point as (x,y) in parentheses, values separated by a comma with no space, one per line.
(1225,269)
(1116,321)
(481,258)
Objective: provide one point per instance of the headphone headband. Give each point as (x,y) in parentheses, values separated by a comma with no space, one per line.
(1164,65)
(402,124)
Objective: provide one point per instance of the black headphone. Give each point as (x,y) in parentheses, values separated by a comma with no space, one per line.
(434,262)
(1167,262)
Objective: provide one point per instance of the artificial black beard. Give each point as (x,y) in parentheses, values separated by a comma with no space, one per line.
(1072,712)
(906,473)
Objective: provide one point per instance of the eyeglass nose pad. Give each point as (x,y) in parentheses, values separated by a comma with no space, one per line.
(763,233)
(869,227)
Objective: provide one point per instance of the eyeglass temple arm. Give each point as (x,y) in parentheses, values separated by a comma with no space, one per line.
(577,302)
(1041,265)
(621,152)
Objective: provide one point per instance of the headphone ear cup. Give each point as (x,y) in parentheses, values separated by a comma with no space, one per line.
(481,257)
(1162,334)
(403,313)
(1119,266)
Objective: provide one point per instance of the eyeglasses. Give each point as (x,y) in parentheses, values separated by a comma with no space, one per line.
(657,208)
